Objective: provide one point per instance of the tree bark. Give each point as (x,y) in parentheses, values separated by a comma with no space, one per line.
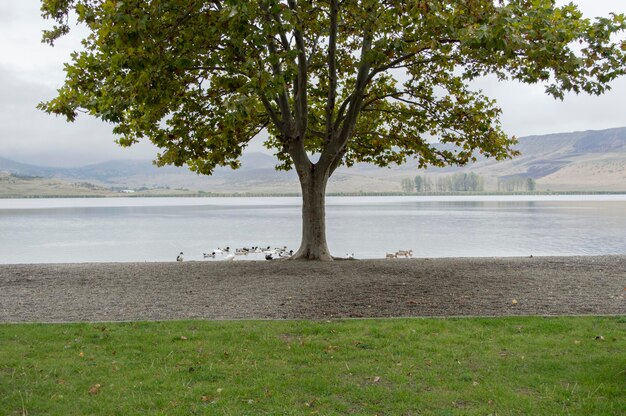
(313,245)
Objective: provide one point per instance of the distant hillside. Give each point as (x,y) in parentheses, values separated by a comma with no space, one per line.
(14,186)
(590,160)
(580,161)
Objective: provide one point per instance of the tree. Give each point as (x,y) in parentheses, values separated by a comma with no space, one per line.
(408,186)
(347,81)
(419,183)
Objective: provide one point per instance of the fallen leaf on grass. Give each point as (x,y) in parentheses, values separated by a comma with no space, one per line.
(81,354)
(514,302)
(95,389)
(204,398)
(376,379)
(311,403)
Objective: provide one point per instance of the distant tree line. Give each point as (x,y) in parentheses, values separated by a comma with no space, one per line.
(458,182)
(516,184)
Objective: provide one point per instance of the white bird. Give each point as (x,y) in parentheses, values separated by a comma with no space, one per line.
(221,250)
(230,257)
(350,256)
(179,257)
(212,254)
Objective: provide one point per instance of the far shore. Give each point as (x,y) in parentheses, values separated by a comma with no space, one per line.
(245,194)
(96,292)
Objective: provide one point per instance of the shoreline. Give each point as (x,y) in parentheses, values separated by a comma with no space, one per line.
(245,194)
(305,262)
(243,290)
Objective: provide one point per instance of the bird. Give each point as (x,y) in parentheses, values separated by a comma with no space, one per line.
(269,257)
(180,257)
(350,256)
(230,257)
(222,250)
(211,254)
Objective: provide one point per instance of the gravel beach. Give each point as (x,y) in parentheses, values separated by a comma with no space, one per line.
(313,290)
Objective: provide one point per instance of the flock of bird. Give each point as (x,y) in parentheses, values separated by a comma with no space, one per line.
(273,253)
(226,254)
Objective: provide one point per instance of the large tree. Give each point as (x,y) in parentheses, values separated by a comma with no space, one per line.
(344,80)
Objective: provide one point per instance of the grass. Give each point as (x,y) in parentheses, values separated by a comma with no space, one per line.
(503,366)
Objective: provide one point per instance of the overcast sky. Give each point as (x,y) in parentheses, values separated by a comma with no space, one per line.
(31,71)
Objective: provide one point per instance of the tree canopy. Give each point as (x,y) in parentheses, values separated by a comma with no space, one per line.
(349,80)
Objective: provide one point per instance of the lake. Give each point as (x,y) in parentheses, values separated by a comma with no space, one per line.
(157,229)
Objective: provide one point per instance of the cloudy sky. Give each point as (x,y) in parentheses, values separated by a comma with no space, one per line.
(30,72)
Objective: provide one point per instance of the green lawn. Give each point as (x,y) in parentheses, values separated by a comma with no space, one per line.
(504,366)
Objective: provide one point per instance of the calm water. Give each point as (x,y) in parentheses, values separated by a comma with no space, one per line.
(156,229)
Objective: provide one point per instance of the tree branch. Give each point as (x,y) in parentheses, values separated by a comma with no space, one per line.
(336,145)
(332,69)
(300,85)
(280,125)
(283,99)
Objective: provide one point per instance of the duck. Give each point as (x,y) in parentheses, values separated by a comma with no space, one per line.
(350,256)
(211,254)
(405,253)
(179,257)
(285,253)
(269,257)
(230,257)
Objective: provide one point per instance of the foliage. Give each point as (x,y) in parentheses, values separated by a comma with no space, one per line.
(354,81)
(524,366)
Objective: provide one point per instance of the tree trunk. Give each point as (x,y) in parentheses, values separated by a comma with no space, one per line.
(313,245)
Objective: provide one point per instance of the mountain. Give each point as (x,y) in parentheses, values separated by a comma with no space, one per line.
(579,161)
